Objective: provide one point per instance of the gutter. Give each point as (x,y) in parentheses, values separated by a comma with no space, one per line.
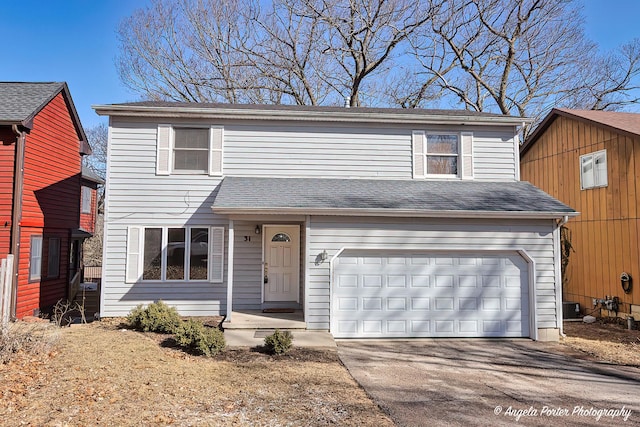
(419,213)
(350,115)
(16,211)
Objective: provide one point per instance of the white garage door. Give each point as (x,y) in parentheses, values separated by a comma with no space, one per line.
(429,295)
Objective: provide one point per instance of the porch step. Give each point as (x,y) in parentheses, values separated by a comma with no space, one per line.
(257,320)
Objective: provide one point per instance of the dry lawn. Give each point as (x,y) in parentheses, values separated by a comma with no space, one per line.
(101,375)
(603,340)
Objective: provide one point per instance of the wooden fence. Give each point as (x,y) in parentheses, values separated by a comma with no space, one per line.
(91,274)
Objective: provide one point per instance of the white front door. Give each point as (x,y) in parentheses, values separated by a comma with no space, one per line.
(281,262)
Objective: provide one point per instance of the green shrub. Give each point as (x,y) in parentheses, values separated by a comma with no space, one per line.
(197,338)
(156,317)
(278,342)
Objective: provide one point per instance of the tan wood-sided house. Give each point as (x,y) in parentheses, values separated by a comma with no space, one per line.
(590,160)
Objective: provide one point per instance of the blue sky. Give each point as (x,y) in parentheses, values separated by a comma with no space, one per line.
(75,41)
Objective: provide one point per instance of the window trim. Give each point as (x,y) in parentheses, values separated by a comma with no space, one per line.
(173,151)
(52,240)
(135,249)
(33,258)
(458,156)
(593,157)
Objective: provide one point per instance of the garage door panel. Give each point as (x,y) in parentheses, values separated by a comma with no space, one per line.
(430,295)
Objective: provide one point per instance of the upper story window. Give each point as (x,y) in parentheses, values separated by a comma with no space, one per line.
(593,170)
(86,200)
(189,150)
(444,155)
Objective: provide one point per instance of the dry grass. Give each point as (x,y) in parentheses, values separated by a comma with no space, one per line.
(27,338)
(101,375)
(604,340)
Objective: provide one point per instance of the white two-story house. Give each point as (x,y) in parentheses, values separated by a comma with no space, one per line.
(370,222)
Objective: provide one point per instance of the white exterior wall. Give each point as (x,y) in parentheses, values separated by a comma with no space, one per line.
(472,236)
(492,159)
(136,196)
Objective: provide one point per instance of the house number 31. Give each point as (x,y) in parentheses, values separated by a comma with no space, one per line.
(247,238)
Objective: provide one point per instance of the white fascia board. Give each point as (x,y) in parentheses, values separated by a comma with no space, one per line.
(395,213)
(346,116)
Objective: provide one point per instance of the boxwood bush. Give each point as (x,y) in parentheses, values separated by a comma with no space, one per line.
(156,317)
(278,342)
(193,336)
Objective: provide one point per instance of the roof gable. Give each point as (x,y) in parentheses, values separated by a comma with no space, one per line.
(625,123)
(20,102)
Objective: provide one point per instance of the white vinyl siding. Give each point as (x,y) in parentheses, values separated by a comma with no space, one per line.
(142,192)
(495,157)
(327,151)
(439,235)
(593,170)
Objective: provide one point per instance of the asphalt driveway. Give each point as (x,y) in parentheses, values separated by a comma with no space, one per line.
(491,382)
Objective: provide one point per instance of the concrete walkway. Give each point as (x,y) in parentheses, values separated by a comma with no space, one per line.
(255,338)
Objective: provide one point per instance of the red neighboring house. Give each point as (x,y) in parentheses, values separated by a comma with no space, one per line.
(41,147)
(89,200)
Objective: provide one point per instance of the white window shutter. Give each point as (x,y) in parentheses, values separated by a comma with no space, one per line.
(466,139)
(217,255)
(163,148)
(216,138)
(134,237)
(417,143)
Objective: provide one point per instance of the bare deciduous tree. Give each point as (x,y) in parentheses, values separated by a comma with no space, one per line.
(98,136)
(518,57)
(293,51)
(97,162)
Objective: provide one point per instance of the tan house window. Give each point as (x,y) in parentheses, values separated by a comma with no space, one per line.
(593,170)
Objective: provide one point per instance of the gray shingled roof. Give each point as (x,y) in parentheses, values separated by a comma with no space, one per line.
(311,108)
(19,101)
(238,194)
(161,109)
(91,175)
